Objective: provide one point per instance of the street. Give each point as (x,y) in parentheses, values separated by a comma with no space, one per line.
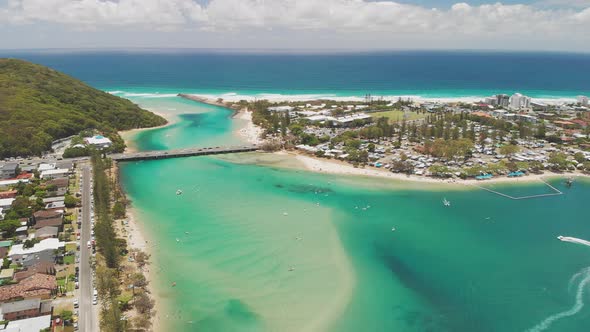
(88,312)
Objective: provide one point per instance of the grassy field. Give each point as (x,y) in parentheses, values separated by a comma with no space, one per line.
(69,260)
(396,116)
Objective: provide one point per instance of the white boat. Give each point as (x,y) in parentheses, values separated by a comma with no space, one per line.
(179,192)
(393,229)
(446,202)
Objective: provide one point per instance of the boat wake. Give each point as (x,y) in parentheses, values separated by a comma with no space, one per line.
(578,305)
(574,240)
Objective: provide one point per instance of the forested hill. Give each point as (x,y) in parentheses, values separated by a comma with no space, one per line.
(39,105)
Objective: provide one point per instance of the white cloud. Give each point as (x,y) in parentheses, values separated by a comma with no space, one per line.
(334,16)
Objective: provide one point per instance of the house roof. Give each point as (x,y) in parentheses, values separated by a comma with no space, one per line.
(39,267)
(6,201)
(8,307)
(10,167)
(59,182)
(47,244)
(54,172)
(55,222)
(29,324)
(37,285)
(47,214)
(6,243)
(47,231)
(7,274)
(8,194)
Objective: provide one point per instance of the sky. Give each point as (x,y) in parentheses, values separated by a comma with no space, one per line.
(524,25)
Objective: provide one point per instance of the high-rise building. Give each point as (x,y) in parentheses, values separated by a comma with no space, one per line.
(583,100)
(502,100)
(491,101)
(518,101)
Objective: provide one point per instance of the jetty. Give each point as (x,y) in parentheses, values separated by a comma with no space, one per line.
(180,153)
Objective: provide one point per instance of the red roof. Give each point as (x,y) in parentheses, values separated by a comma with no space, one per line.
(24,176)
(8,194)
(37,285)
(482,114)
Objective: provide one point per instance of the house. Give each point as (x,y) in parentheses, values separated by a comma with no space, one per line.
(98,141)
(281,109)
(54,199)
(41,286)
(30,324)
(21,232)
(6,203)
(3,252)
(61,182)
(8,170)
(56,206)
(12,182)
(53,222)
(8,194)
(54,173)
(44,249)
(37,267)
(6,275)
(23,309)
(41,215)
(47,232)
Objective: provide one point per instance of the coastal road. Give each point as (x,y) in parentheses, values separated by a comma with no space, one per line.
(88,314)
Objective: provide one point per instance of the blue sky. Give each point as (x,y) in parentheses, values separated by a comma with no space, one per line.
(557,25)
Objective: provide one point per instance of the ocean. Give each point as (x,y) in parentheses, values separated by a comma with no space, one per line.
(413,73)
(256,245)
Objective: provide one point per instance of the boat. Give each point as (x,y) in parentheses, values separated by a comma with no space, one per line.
(446,202)
(560,238)
(393,229)
(569,182)
(179,192)
(291,269)
(177,240)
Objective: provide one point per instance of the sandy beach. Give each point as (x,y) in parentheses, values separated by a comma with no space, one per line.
(250,132)
(279,98)
(342,168)
(128,135)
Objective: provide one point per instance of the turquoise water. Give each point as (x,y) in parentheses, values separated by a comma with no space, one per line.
(266,248)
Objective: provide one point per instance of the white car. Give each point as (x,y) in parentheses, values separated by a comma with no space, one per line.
(95,301)
(76,303)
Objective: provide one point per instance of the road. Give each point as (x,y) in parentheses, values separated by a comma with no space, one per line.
(88,314)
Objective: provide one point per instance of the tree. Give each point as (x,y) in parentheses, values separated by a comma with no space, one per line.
(8,227)
(20,208)
(440,171)
(371,147)
(142,258)
(70,201)
(119,210)
(509,149)
(558,161)
(143,303)
(139,280)
(579,157)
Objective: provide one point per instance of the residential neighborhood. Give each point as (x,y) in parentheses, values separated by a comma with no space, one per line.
(40,208)
(499,135)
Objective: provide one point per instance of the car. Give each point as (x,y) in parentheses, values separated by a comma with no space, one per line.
(76,303)
(88,244)
(77,285)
